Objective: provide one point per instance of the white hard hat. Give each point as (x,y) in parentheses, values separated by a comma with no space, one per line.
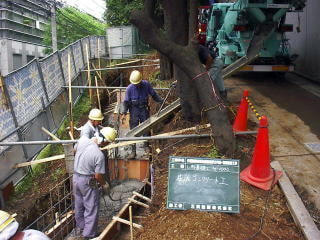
(109,133)
(95,114)
(8,225)
(135,77)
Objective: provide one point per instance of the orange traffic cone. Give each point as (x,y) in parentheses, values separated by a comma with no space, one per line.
(240,123)
(259,173)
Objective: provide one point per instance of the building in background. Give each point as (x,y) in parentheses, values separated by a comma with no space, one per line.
(22,24)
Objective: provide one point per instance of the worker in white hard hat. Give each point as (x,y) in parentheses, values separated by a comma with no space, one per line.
(91,128)
(136,101)
(9,227)
(89,168)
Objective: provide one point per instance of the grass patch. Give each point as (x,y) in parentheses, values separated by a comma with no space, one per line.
(155,81)
(213,153)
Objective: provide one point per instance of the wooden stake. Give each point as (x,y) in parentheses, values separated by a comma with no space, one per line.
(50,134)
(89,75)
(138,203)
(131,227)
(70,96)
(141,196)
(126,222)
(71,136)
(4,96)
(98,96)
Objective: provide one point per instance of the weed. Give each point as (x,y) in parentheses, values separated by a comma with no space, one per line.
(213,153)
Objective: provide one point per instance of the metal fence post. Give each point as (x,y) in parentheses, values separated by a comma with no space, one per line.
(60,63)
(42,81)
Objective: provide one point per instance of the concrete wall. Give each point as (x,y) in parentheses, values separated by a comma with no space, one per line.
(306,43)
(10,47)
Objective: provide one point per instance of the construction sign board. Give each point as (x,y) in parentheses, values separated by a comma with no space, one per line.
(204,184)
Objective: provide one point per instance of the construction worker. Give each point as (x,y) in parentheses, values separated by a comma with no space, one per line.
(89,167)
(91,128)
(214,67)
(9,227)
(136,101)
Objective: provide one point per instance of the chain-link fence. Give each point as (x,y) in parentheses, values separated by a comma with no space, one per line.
(33,97)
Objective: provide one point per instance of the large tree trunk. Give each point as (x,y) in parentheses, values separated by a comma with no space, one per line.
(186,58)
(176,24)
(166,68)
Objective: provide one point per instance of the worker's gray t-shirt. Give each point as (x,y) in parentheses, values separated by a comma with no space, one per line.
(88,130)
(88,159)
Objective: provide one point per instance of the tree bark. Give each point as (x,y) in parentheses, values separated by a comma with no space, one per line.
(186,58)
(166,68)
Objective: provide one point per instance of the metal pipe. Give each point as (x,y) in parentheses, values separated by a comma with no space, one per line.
(114,68)
(246,133)
(117,139)
(120,139)
(101,87)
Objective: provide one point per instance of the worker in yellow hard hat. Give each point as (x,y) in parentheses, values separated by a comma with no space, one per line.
(91,128)
(9,227)
(136,101)
(89,168)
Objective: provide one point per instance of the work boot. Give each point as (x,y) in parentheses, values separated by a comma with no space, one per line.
(133,153)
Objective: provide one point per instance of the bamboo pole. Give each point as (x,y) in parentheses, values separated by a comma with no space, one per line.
(98,96)
(89,76)
(54,137)
(131,224)
(70,97)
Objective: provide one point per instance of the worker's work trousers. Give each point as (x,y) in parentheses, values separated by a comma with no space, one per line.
(215,72)
(86,205)
(138,115)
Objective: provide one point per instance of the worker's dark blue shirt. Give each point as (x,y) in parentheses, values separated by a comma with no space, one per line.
(137,96)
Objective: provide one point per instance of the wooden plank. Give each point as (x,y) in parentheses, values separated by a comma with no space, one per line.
(49,159)
(138,203)
(298,211)
(127,222)
(112,229)
(141,196)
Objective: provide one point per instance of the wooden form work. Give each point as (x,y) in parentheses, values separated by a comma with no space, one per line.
(114,226)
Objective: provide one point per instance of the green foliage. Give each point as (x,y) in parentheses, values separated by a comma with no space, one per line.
(213,153)
(118,12)
(71,26)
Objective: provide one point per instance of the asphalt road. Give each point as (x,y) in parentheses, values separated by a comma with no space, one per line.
(292,106)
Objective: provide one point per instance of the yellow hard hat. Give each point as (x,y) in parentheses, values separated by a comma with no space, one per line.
(5,220)
(109,133)
(135,77)
(95,114)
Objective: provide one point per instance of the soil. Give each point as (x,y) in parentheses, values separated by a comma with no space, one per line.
(256,205)
(264,210)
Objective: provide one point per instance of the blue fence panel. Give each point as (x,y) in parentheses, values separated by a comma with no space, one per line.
(78,58)
(52,75)
(64,60)
(26,92)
